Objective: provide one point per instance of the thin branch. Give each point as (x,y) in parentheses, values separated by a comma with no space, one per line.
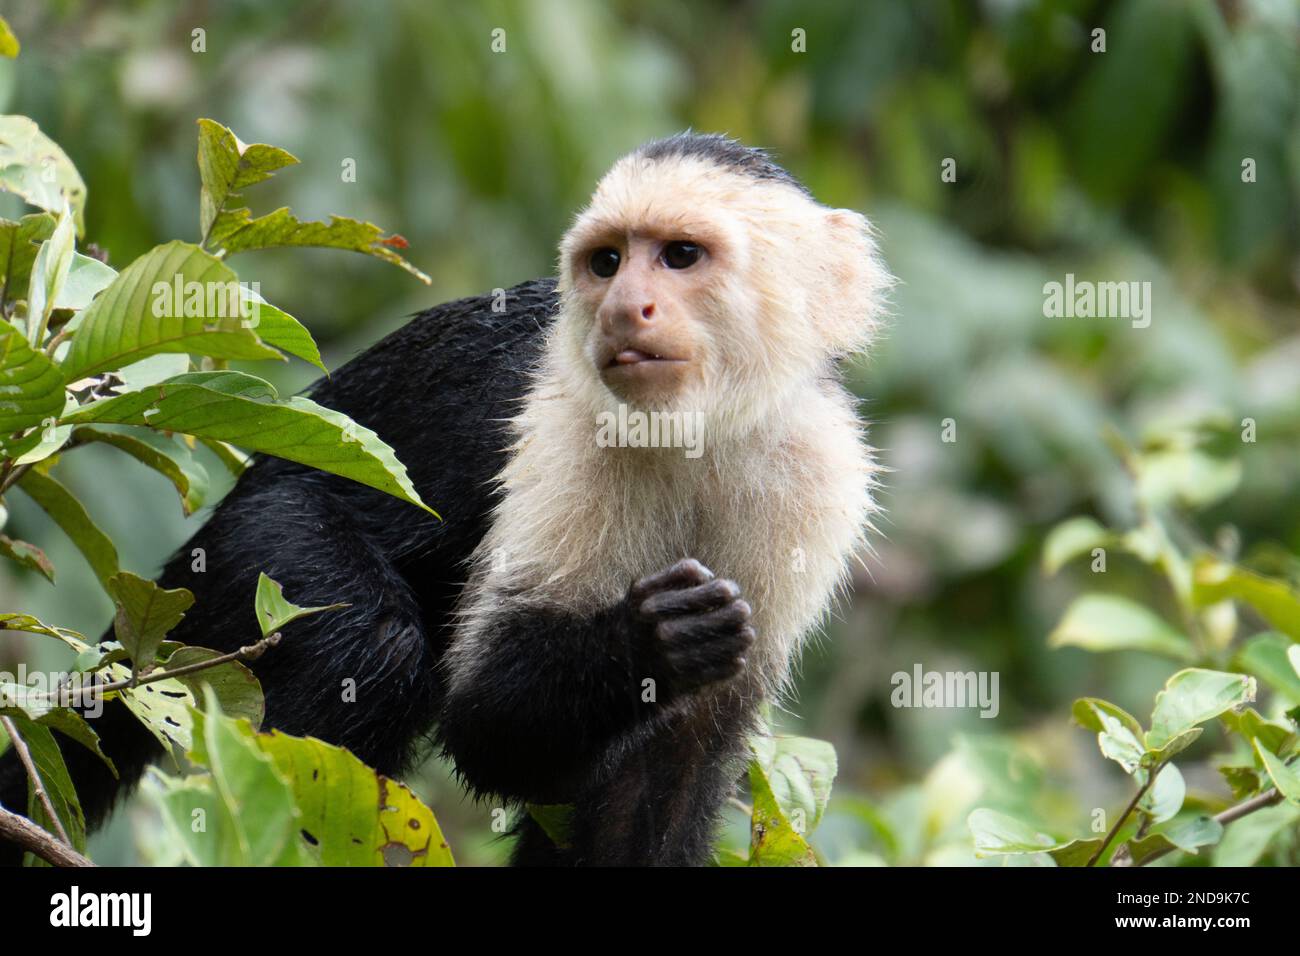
(21,831)
(250,652)
(1101,850)
(1267,799)
(38,787)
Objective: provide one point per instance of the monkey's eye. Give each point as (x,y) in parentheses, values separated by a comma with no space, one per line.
(681,255)
(604,262)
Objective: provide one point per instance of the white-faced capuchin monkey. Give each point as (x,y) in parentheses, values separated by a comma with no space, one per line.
(652,484)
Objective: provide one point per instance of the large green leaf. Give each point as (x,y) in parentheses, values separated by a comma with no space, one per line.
(773,841)
(355,816)
(34,167)
(1105,622)
(241,813)
(1191,697)
(174,298)
(70,515)
(31,387)
(244,410)
(799,771)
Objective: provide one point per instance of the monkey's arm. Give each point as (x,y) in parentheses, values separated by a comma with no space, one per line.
(536,698)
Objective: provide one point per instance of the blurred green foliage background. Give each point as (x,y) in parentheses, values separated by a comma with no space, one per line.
(1123,165)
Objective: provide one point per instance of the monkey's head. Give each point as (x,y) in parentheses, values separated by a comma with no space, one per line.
(703,276)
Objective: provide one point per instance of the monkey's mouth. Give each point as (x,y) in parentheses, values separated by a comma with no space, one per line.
(631,357)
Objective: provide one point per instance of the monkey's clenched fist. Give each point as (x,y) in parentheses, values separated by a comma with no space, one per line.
(689,628)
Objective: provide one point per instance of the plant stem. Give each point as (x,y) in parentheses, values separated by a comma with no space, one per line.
(250,652)
(1105,844)
(38,787)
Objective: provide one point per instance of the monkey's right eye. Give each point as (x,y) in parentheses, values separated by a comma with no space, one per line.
(604,262)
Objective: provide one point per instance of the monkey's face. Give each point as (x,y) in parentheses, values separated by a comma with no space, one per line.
(690,287)
(645,293)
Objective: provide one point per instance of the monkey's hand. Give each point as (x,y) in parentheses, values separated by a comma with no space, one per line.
(689,628)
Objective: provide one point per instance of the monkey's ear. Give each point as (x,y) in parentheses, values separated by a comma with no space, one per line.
(856,282)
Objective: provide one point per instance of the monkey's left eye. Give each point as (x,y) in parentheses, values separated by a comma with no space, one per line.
(681,255)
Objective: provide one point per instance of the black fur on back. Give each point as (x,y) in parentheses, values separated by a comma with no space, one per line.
(437,390)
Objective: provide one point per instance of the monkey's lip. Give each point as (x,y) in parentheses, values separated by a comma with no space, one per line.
(631,357)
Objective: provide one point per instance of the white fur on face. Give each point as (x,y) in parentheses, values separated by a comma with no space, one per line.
(781,498)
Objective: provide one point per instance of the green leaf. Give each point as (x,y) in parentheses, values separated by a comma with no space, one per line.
(36,705)
(997,833)
(556,820)
(283,331)
(31,387)
(274,612)
(34,167)
(1283,776)
(145,613)
(1189,836)
(1076,852)
(237,690)
(69,514)
(1172,747)
(1275,600)
(237,231)
(799,771)
(49,273)
(189,478)
(1193,696)
(227,165)
(1089,713)
(1165,797)
(355,816)
(1185,476)
(30,625)
(1243,781)
(1247,840)
(165,708)
(27,555)
(1119,735)
(1252,726)
(248,806)
(1104,622)
(1070,539)
(772,840)
(244,410)
(19,243)
(234,460)
(174,298)
(87,277)
(48,760)
(1268,656)
(9,45)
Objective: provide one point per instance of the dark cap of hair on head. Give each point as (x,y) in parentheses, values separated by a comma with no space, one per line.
(722,151)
